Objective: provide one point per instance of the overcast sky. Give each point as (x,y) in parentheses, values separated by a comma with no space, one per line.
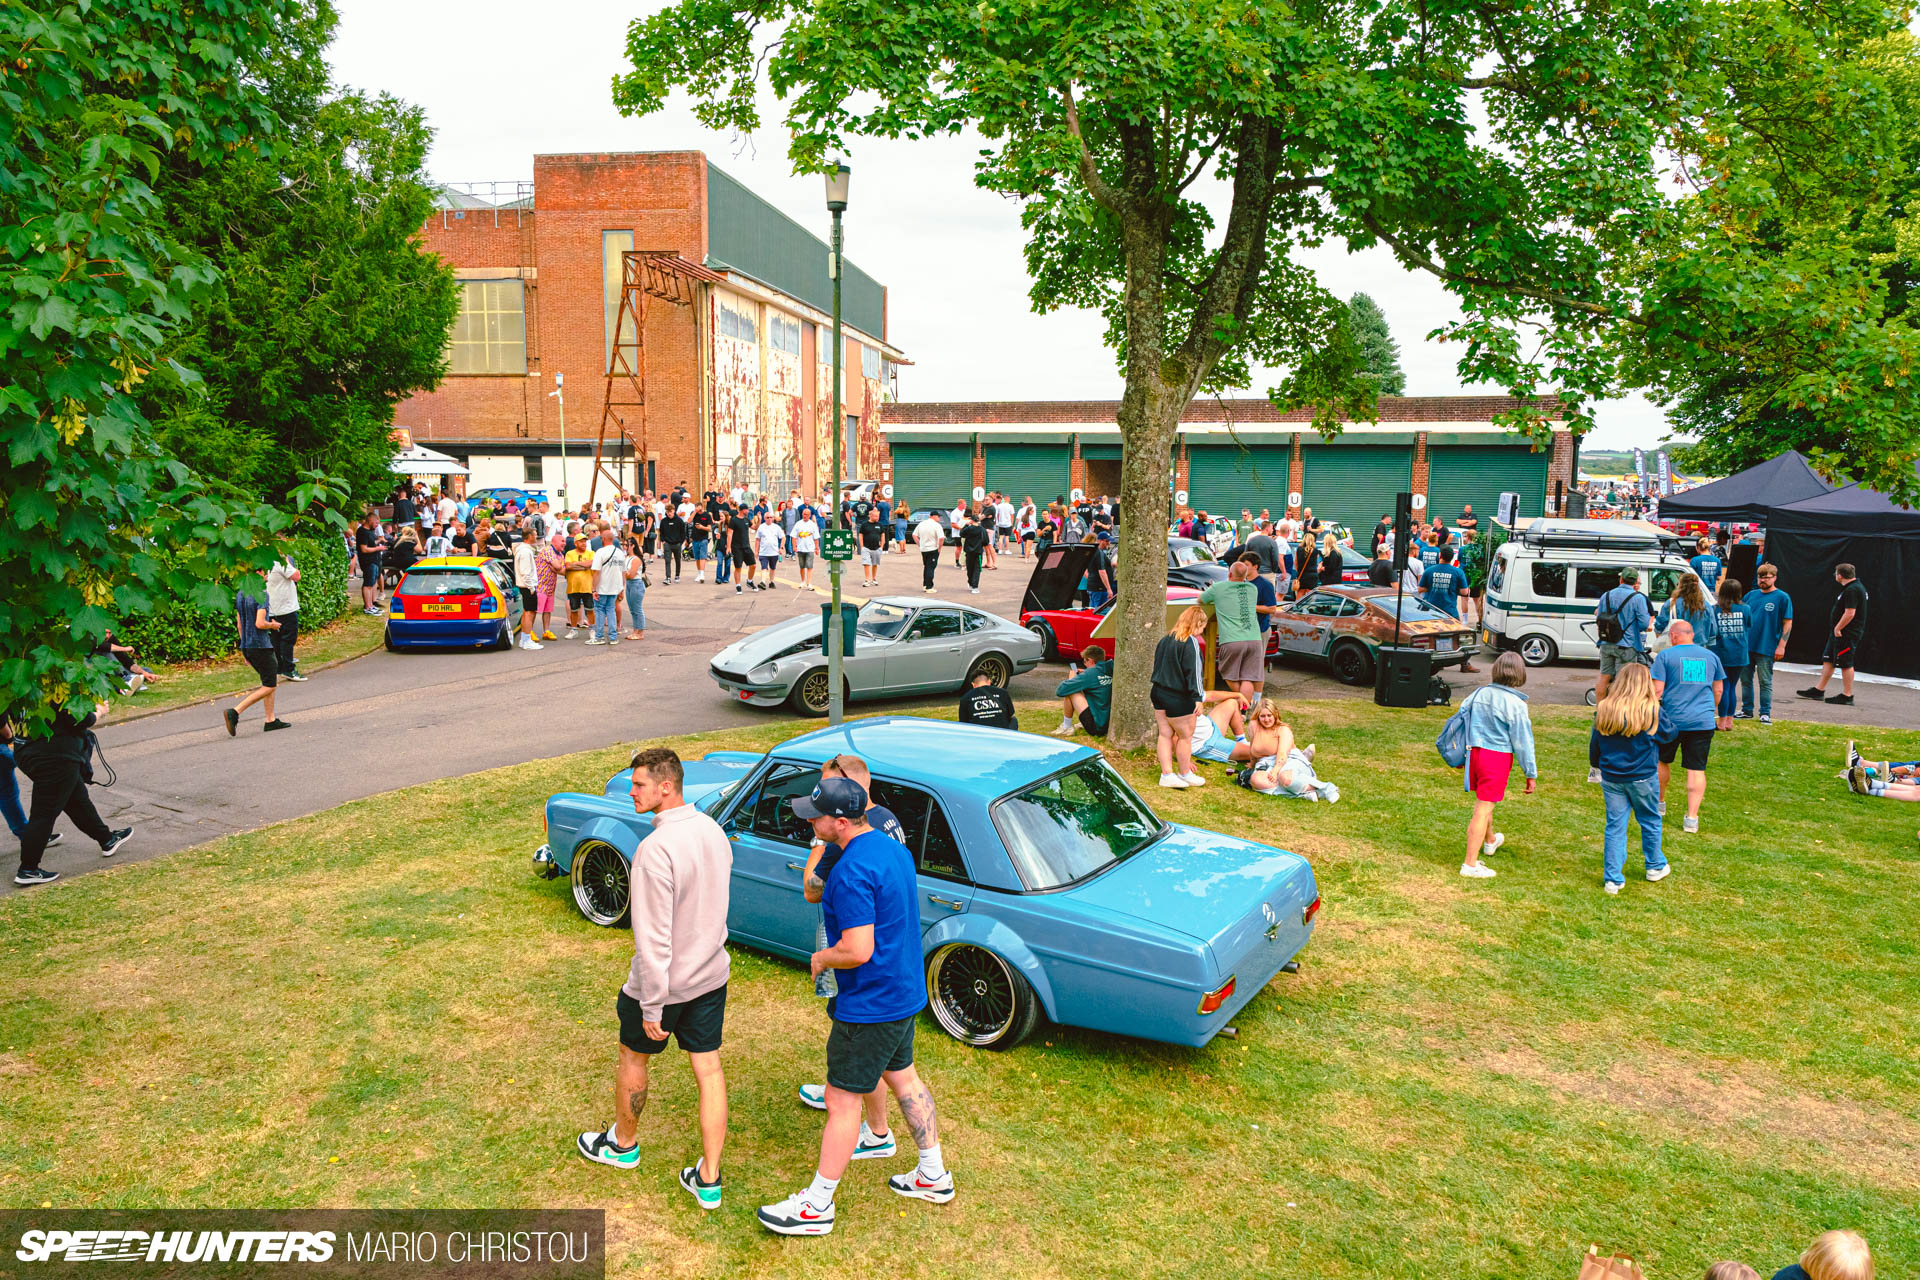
(500,83)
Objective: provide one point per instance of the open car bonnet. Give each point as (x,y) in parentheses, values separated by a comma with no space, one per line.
(1056,577)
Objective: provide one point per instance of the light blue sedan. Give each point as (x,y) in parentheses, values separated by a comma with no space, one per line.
(1048,888)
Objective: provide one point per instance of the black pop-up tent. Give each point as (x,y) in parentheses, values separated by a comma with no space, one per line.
(1861,527)
(1749,495)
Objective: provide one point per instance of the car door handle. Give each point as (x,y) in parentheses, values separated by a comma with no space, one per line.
(796,866)
(946,902)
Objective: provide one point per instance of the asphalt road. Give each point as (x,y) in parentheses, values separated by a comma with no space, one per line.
(393,720)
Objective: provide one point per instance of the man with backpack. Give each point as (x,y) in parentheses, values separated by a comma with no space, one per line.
(1621,620)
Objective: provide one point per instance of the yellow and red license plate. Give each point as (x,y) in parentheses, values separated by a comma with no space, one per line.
(439,608)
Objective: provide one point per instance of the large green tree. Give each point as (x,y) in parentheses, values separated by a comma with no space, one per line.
(1521,153)
(328,312)
(1765,388)
(1379,353)
(94,516)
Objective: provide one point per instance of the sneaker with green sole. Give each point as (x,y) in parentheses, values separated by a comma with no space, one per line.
(705,1194)
(602,1149)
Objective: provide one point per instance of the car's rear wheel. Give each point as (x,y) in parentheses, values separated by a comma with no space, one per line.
(600,884)
(995,668)
(1538,651)
(387,636)
(504,640)
(1352,664)
(811,693)
(978,998)
(1049,643)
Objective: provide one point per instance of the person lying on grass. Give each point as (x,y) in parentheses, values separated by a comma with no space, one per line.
(1890,779)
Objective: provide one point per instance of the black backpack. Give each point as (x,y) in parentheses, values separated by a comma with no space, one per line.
(1607,620)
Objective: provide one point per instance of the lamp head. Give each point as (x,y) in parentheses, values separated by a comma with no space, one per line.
(839,178)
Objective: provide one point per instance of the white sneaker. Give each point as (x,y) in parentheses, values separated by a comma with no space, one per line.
(699,577)
(1499,838)
(815,1096)
(939,1190)
(1065,730)
(528,642)
(1475,871)
(1173,781)
(973,590)
(1309,752)
(595,640)
(797,1216)
(1193,780)
(1611,887)
(1593,775)
(571,633)
(1661,874)
(1690,825)
(870,1147)
(1329,793)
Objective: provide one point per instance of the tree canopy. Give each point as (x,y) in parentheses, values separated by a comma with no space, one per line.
(94,516)
(1379,353)
(1586,176)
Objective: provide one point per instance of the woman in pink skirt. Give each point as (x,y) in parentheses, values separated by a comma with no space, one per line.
(1500,734)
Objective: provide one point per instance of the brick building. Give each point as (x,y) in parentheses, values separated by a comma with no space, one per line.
(1232,454)
(737,367)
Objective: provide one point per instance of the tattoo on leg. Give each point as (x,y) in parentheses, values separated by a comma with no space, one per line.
(917,1107)
(637,1101)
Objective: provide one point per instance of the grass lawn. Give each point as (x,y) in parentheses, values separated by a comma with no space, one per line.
(379,1005)
(184,682)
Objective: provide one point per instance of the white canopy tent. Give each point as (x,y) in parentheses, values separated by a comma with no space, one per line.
(422,461)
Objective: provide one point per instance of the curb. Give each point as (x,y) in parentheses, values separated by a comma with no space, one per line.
(149,713)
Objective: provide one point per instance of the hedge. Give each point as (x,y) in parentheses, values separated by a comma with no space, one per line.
(177,631)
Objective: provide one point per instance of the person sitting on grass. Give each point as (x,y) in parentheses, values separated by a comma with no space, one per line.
(1266,734)
(1834,1255)
(987,703)
(1219,728)
(1890,779)
(1279,768)
(1087,696)
(1624,749)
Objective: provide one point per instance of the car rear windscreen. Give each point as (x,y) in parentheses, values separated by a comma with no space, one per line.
(442,582)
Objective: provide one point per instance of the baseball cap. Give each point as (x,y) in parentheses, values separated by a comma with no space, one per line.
(1103,536)
(833,798)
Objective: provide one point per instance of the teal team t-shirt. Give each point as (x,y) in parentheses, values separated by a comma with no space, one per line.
(1688,671)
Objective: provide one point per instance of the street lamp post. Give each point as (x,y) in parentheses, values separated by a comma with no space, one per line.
(558,393)
(839,178)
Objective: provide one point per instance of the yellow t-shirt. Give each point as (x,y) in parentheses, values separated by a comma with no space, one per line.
(580,572)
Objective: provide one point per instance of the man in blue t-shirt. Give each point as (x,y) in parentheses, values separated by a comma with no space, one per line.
(872,906)
(1707,565)
(1443,583)
(1689,678)
(1767,632)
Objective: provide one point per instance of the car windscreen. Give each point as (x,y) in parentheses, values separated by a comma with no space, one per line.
(1190,553)
(1066,827)
(882,621)
(1412,610)
(442,582)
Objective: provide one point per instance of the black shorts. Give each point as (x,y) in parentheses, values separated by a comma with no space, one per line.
(263,661)
(858,1053)
(1091,725)
(369,568)
(1175,705)
(579,600)
(528,601)
(695,1023)
(1840,650)
(743,556)
(1691,746)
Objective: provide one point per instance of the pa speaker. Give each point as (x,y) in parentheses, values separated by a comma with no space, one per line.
(1402,531)
(1576,505)
(1401,676)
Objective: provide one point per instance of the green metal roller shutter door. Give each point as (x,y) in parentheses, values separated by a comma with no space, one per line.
(1038,471)
(1351,484)
(1100,453)
(932,475)
(1223,479)
(1459,474)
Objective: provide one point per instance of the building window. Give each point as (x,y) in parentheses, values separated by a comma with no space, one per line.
(869,361)
(490,333)
(783,334)
(612,282)
(737,321)
(535,473)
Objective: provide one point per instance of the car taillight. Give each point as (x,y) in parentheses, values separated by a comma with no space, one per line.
(1211,1002)
(1308,912)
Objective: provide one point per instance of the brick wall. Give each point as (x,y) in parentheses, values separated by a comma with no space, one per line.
(1392,409)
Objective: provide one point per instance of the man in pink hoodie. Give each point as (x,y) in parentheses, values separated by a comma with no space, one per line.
(677,984)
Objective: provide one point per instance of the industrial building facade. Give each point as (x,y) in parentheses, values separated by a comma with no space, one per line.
(731,377)
(1233,455)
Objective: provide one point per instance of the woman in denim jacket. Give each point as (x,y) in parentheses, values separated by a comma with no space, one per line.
(1499,735)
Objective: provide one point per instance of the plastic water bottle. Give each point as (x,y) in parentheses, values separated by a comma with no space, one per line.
(828,983)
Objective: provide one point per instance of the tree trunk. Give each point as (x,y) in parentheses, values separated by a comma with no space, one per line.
(1149,423)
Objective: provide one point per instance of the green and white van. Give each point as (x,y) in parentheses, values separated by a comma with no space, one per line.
(1545,584)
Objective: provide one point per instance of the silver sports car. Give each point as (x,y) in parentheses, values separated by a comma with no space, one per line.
(903,646)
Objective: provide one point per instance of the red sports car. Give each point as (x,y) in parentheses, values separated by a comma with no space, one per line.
(1055,608)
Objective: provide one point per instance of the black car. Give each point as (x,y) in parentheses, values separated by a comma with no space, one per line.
(1191,564)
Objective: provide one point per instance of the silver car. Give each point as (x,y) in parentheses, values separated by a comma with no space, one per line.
(903,646)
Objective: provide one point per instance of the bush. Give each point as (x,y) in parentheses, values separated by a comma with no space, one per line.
(177,631)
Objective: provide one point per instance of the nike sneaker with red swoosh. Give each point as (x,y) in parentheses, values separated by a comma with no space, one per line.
(938,1190)
(798,1216)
